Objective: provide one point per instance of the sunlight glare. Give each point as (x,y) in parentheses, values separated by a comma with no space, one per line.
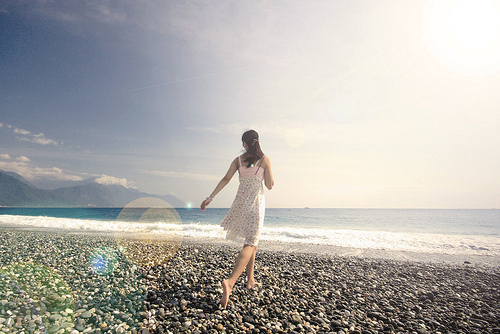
(464,35)
(474,24)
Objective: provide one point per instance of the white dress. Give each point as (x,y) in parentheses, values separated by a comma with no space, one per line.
(245,218)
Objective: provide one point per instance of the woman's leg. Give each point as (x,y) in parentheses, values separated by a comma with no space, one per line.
(239,265)
(250,270)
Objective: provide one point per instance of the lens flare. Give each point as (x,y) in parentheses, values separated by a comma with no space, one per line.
(154,232)
(103,260)
(16,301)
(49,298)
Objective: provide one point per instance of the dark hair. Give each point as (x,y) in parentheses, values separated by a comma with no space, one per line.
(251,137)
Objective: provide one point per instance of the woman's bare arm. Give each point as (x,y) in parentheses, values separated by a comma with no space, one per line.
(222,183)
(268,173)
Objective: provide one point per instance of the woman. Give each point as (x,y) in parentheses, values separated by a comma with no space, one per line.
(245,218)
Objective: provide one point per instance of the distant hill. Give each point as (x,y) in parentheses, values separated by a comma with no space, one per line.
(19,178)
(16,191)
(93,194)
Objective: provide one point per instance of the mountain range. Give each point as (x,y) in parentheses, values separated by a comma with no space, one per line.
(17,191)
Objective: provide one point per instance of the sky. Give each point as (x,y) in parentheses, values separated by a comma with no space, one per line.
(359,104)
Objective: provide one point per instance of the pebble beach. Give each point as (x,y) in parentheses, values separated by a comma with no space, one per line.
(48,285)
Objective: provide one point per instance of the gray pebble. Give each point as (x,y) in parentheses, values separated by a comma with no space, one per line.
(337,294)
(85,315)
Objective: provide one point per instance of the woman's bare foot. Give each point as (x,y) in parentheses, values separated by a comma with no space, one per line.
(251,284)
(226,291)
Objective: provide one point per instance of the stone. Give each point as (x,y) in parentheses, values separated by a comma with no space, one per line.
(296,319)
(85,315)
(54,328)
(80,325)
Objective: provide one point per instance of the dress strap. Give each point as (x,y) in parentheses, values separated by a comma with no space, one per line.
(259,164)
(239,160)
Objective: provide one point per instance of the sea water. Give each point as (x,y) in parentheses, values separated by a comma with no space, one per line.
(455,232)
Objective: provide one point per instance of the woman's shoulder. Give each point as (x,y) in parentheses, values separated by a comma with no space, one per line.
(239,160)
(265,161)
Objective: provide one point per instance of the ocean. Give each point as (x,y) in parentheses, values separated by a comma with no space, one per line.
(459,233)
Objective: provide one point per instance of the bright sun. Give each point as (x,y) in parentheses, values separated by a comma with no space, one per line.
(464,35)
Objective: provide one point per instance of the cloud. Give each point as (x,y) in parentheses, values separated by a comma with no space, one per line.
(247,29)
(204,129)
(55,173)
(221,129)
(109,180)
(93,11)
(21,131)
(79,12)
(28,136)
(106,14)
(182,175)
(65,17)
(21,165)
(272,131)
(40,139)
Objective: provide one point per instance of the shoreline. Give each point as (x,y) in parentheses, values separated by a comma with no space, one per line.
(300,292)
(299,247)
(364,253)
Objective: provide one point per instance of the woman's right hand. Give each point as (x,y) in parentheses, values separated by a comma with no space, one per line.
(222,183)
(205,203)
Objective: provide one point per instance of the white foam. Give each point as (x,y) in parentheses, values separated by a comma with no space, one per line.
(413,242)
(355,239)
(87,225)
